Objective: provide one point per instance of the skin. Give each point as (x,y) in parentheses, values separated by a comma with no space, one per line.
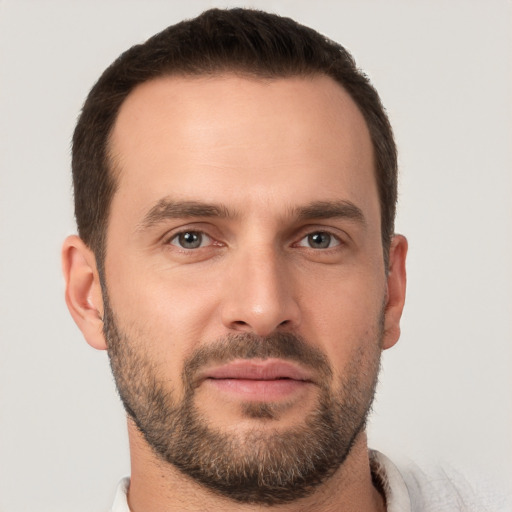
(263,150)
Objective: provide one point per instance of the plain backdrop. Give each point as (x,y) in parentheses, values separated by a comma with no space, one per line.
(443,69)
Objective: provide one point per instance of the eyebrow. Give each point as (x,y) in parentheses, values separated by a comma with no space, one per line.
(169,209)
(330,210)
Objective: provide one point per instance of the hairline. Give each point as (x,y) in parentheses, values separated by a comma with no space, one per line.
(113,159)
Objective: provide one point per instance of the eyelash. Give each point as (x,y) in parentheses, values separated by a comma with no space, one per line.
(202,235)
(332,238)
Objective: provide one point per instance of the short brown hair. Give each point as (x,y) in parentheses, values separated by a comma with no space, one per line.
(245,41)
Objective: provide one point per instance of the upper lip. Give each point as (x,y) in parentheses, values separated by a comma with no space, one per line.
(257,369)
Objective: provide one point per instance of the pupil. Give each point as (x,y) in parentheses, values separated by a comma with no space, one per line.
(190,240)
(320,240)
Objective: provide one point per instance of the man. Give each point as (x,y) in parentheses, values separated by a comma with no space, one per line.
(235,188)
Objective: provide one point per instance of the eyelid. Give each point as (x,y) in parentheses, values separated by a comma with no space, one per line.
(334,238)
(309,229)
(203,228)
(340,236)
(206,240)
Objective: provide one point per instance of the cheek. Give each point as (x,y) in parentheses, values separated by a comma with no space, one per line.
(162,315)
(345,317)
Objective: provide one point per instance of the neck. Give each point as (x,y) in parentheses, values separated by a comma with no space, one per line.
(158,486)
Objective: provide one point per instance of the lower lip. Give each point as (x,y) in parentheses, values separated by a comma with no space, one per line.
(260,390)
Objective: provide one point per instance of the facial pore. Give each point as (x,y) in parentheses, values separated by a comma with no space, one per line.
(262,466)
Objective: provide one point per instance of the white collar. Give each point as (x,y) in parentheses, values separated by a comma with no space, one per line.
(389,480)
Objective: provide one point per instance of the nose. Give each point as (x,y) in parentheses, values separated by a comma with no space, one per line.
(259,295)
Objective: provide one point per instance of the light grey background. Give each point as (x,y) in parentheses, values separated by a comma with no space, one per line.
(443,69)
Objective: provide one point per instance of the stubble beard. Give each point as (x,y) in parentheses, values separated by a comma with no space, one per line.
(261,466)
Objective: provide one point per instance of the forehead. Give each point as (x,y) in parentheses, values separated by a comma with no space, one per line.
(243,139)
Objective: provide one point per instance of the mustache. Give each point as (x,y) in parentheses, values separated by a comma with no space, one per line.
(287,346)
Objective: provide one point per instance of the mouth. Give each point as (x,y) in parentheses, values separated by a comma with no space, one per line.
(258,379)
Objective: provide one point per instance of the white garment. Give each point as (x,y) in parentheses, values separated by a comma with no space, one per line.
(412,489)
(407,490)
(120,499)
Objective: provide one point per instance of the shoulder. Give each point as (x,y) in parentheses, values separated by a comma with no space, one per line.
(409,488)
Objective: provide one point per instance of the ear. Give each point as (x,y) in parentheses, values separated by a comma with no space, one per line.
(83,290)
(396,284)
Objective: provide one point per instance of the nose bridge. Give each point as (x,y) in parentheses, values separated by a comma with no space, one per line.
(259,295)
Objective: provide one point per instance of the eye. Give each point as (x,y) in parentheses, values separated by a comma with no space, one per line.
(319,240)
(190,240)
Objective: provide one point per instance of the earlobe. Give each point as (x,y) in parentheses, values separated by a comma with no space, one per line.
(83,290)
(396,285)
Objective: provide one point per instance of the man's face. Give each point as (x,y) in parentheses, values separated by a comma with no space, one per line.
(244,272)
